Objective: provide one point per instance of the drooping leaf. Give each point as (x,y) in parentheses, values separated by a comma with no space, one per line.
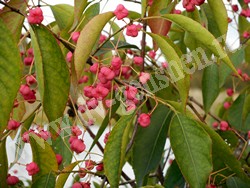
(88,37)
(149,143)
(105,123)
(239,112)
(79,6)
(62,178)
(224,153)
(115,149)
(4,164)
(234,182)
(10,74)
(51,72)
(174,177)
(210,86)
(175,69)
(63,14)
(244,25)
(201,35)
(14,21)
(43,155)
(192,150)
(45,181)
(219,12)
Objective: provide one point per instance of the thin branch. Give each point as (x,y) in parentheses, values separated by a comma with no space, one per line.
(12,8)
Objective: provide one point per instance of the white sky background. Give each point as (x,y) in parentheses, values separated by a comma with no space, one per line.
(106,5)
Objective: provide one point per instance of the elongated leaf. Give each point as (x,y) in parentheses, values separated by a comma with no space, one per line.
(144,4)
(239,112)
(192,150)
(174,177)
(63,14)
(244,25)
(10,74)
(147,153)
(224,153)
(234,182)
(79,6)
(219,13)
(45,181)
(210,86)
(4,164)
(88,37)
(14,21)
(51,71)
(43,155)
(114,153)
(62,178)
(175,69)
(201,35)
(105,123)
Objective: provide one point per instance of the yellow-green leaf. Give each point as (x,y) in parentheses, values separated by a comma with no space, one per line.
(79,6)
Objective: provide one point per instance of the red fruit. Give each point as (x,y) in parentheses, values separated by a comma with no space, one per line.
(106,137)
(227,105)
(235,8)
(69,57)
(32,168)
(105,75)
(177,11)
(138,60)
(150,2)
(100,92)
(77,145)
(91,122)
(215,124)
(245,77)
(28,61)
(24,89)
(76,131)
(102,39)
(248,134)
(126,72)
(152,54)
(245,12)
(198,2)
(77,185)
(82,108)
(72,138)
(108,103)
(144,77)
(94,68)
(89,164)
(224,126)
(75,36)
(30,52)
(85,184)
(30,80)
(83,79)
(59,159)
(230,92)
(13,125)
(87,91)
(144,120)
(35,16)
(82,172)
(246,1)
(44,134)
(132,30)
(12,180)
(99,167)
(130,92)
(92,103)
(164,65)
(120,12)
(246,34)
(130,105)
(116,63)
(188,5)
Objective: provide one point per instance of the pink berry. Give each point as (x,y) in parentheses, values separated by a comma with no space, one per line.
(82,108)
(76,131)
(130,105)
(188,5)
(24,89)
(248,134)
(215,124)
(144,120)
(85,184)
(246,1)
(230,92)
(59,159)
(177,11)
(138,60)
(82,172)
(198,2)
(164,65)
(94,68)
(30,80)
(75,35)
(87,91)
(235,8)
(102,39)
(91,122)
(144,77)
(44,134)
(116,63)
(77,145)
(69,57)
(32,168)
(13,125)
(89,164)
(245,77)
(120,12)
(30,52)
(92,103)
(150,2)
(106,137)
(224,126)
(35,16)
(100,92)
(77,185)
(105,75)
(83,79)
(108,103)
(227,105)
(246,34)
(132,30)
(130,92)
(12,180)
(72,138)
(152,54)
(28,61)
(99,167)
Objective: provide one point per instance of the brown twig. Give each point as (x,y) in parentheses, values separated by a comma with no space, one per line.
(12,8)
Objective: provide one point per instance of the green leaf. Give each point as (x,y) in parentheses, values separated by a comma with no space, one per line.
(51,72)
(87,40)
(244,25)
(79,6)
(239,112)
(115,149)
(210,86)
(174,177)
(192,150)
(144,4)
(177,74)
(43,155)
(14,21)
(10,74)
(219,12)
(63,14)
(45,181)
(149,143)
(105,123)
(4,164)
(234,182)
(62,178)
(202,35)
(224,153)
